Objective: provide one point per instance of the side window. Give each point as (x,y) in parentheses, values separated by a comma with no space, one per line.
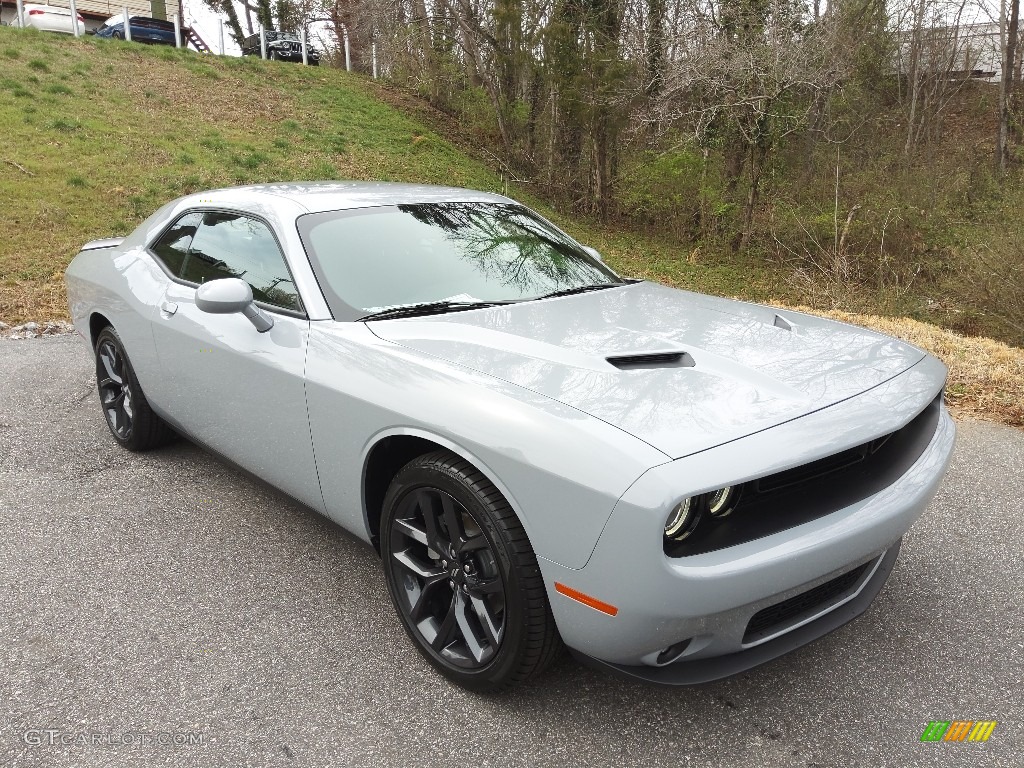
(173,246)
(232,245)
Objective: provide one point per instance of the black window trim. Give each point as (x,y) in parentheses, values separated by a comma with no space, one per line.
(300,315)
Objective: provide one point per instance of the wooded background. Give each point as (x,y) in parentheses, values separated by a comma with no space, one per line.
(868,146)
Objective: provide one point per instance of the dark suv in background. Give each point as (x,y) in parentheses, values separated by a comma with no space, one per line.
(282,46)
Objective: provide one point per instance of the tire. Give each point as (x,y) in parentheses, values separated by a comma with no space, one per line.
(118,35)
(131,421)
(473,600)
(272,55)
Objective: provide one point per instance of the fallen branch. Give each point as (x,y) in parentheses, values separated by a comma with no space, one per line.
(21,168)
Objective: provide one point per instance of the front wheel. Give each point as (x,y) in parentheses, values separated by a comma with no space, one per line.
(131,421)
(463,577)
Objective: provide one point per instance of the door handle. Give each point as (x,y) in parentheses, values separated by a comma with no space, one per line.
(168,307)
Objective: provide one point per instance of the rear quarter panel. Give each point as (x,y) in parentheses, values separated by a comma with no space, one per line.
(124,286)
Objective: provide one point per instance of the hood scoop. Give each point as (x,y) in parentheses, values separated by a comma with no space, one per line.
(650,360)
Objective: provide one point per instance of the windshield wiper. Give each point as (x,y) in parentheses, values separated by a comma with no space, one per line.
(431,308)
(579,289)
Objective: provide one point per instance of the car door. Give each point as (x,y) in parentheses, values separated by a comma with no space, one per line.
(238,391)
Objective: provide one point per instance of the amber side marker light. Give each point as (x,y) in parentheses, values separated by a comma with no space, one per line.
(593,602)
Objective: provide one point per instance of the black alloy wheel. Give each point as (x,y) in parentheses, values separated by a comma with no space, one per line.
(463,576)
(115,393)
(454,592)
(131,421)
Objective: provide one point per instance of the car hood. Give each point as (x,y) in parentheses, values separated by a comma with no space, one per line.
(731,368)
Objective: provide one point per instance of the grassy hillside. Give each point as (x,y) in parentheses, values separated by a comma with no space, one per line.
(97,134)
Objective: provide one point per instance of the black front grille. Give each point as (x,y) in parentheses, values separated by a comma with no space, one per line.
(820,468)
(775,617)
(795,496)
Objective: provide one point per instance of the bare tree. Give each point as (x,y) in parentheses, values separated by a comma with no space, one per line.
(747,72)
(1009,34)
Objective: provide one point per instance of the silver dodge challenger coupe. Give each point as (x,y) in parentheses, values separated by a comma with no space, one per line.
(678,487)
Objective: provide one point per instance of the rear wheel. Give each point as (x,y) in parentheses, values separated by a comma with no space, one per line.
(131,421)
(463,577)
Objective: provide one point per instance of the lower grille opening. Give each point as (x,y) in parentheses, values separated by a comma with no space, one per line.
(770,620)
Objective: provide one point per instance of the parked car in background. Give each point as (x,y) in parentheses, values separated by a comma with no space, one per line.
(281,46)
(51,18)
(143,28)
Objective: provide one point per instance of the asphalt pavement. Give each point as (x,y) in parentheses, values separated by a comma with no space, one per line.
(165,609)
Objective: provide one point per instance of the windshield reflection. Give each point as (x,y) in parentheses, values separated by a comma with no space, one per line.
(372,259)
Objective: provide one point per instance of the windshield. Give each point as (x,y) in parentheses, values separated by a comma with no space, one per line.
(371,259)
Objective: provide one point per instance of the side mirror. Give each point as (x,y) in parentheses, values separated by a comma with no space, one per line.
(230,295)
(594,253)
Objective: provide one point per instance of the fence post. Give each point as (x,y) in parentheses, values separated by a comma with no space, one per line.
(373,54)
(222,37)
(263,42)
(20,18)
(305,55)
(348,57)
(127,24)
(74,19)
(177,31)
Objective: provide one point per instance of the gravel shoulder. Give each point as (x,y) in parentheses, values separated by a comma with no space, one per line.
(168,593)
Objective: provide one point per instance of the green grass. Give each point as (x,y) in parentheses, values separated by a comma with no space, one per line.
(98,134)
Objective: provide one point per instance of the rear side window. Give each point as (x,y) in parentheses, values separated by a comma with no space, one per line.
(212,245)
(172,248)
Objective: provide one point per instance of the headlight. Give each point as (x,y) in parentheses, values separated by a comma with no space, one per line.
(682,520)
(723,501)
(689,513)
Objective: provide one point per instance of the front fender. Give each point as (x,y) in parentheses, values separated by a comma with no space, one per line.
(561,470)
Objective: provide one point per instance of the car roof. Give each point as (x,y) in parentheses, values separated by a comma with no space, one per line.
(117,19)
(319,196)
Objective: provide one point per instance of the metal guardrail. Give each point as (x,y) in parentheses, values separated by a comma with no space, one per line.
(94,7)
(183,36)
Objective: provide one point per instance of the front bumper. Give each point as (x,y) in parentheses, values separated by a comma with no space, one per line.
(295,56)
(710,598)
(706,670)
